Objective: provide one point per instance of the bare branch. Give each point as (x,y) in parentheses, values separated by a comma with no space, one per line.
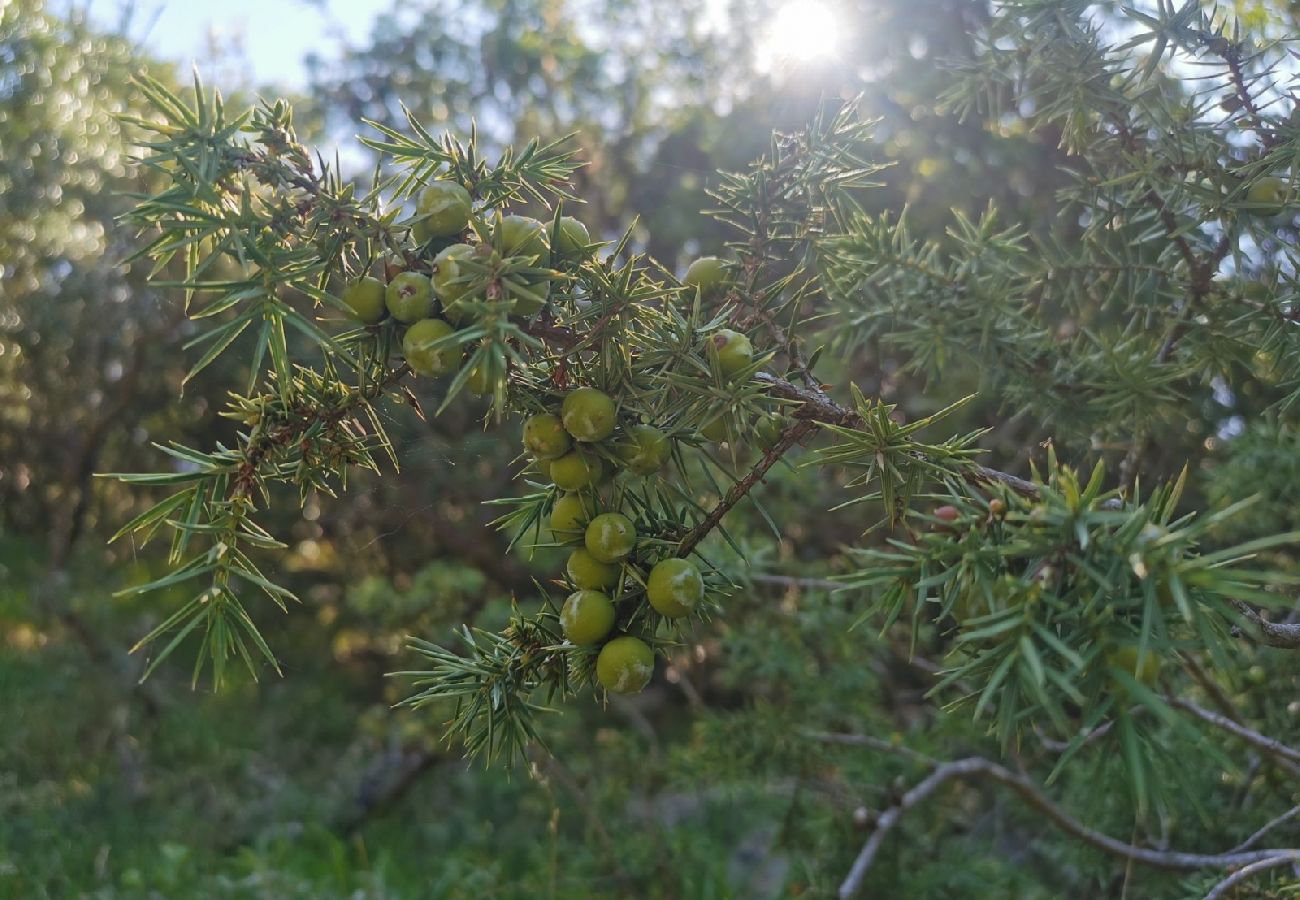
(789,437)
(1269,745)
(1230,52)
(1273,823)
(1221,889)
(875,743)
(1273,634)
(795,581)
(976,767)
(1096,734)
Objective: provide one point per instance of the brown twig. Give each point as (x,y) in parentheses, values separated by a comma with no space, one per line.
(1230,52)
(1200,271)
(1092,736)
(1221,889)
(1273,634)
(1211,687)
(385,782)
(1271,746)
(1273,823)
(874,743)
(792,435)
(814,406)
(976,767)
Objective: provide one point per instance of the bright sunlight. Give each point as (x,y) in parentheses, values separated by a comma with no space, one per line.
(802,31)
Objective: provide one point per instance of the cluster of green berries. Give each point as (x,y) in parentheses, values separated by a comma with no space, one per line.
(433,306)
(578,448)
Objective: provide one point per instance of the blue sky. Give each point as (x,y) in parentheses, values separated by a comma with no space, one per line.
(268,38)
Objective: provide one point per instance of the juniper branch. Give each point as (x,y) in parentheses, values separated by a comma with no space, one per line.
(266,443)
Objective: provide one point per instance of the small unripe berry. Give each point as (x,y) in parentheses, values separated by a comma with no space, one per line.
(947,514)
(732,350)
(365,297)
(589,415)
(446,284)
(425,359)
(625,665)
(1267,195)
(589,573)
(445,206)
(480,380)
(706,274)
(523,236)
(587,617)
(545,437)
(768,429)
(409,297)
(610,537)
(643,450)
(997,507)
(1125,658)
(567,518)
(572,238)
(715,429)
(524,307)
(675,587)
(576,470)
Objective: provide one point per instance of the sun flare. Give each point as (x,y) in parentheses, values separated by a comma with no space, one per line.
(801,31)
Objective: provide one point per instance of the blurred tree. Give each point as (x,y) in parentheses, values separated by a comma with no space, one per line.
(79,329)
(694,102)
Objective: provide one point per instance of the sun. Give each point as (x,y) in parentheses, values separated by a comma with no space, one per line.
(801,31)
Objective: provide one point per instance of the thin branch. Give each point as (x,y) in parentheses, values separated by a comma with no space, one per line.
(386,781)
(1273,634)
(1211,687)
(1269,745)
(795,581)
(1028,791)
(874,743)
(1231,54)
(1254,838)
(815,406)
(1221,889)
(1200,270)
(792,435)
(820,408)
(1096,734)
